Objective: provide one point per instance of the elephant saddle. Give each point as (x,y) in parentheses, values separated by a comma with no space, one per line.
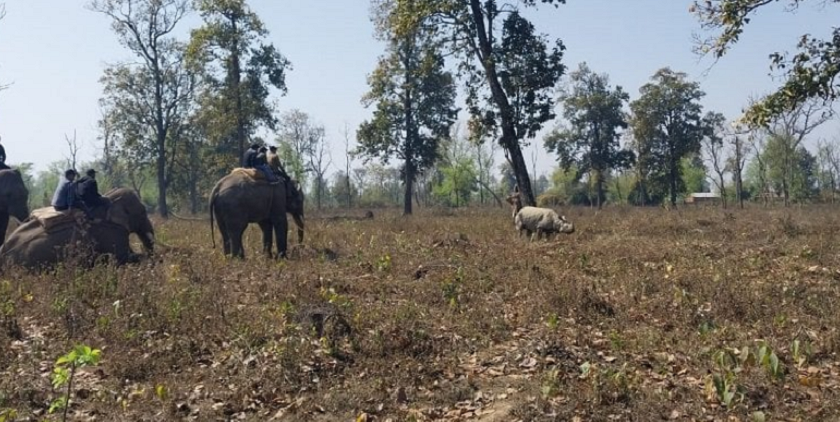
(50,218)
(249,172)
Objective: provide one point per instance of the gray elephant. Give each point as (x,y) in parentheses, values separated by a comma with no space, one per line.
(47,237)
(239,199)
(13,200)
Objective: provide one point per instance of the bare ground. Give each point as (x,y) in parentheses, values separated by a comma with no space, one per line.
(641,315)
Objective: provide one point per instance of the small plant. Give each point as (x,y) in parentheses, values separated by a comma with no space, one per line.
(384,263)
(801,351)
(8,415)
(767,358)
(550,384)
(553,321)
(161,392)
(727,392)
(64,371)
(451,288)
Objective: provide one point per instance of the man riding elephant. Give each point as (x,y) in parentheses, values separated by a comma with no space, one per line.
(65,196)
(96,206)
(238,200)
(47,237)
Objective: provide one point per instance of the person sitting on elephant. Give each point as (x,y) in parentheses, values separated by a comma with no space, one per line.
(88,191)
(250,156)
(64,197)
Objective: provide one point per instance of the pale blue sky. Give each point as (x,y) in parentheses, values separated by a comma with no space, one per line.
(53,53)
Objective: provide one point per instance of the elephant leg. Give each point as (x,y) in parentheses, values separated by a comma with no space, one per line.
(4,224)
(223,229)
(235,234)
(266,228)
(281,229)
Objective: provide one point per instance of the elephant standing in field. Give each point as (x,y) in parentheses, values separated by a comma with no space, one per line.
(47,236)
(239,199)
(13,200)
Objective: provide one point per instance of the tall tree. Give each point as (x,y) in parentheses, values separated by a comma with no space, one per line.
(811,73)
(828,155)
(713,147)
(508,68)
(788,130)
(239,69)
(152,91)
(594,113)
(667,124)
(736,162)
(414,98)
(298,138)
(319,160)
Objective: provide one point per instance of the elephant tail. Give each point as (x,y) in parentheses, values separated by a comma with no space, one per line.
(213,195)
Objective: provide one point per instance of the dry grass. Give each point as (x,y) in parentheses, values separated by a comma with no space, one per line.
(447,316)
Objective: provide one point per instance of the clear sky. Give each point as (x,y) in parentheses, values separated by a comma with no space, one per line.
(54,51)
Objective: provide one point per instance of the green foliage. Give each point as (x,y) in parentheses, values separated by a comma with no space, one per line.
(239,68)
(64,371)
(593,112)
(694,174)
(508,68)
(667,125)
(144,103)
(784,169)
(414,97)
(810,73)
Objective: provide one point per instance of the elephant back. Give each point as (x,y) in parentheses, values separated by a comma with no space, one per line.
(51,219)
(250,173)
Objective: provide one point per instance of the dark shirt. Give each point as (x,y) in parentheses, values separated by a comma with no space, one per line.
(65,195)
(249,158)
(88,191)
(2,154)
(260,160)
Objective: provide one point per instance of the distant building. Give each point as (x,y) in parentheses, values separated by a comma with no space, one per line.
(701,198)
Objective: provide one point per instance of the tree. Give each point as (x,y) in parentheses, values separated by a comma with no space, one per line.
(713,146)
(790,170)
(484,152)
(788,129)
(73,149)
(414,98)
(593,111)
(458,174)
(668,126)
(509,69)
(348,161)
(735,163)
(298,138)
(693,173)
(810,74)
(828,155)
(319,159)
(151,92)
(239,69)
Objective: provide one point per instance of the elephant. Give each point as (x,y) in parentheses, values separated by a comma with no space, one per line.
(13,200)
(238,199)
(35,247)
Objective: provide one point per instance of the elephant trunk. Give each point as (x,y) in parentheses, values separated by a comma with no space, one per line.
(148,240)
(299,222)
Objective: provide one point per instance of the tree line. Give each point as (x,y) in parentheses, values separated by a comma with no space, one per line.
(180,115)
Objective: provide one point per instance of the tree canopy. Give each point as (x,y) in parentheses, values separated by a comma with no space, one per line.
(810,73)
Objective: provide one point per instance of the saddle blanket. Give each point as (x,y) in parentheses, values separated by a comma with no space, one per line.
(250,172)
(50,218)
